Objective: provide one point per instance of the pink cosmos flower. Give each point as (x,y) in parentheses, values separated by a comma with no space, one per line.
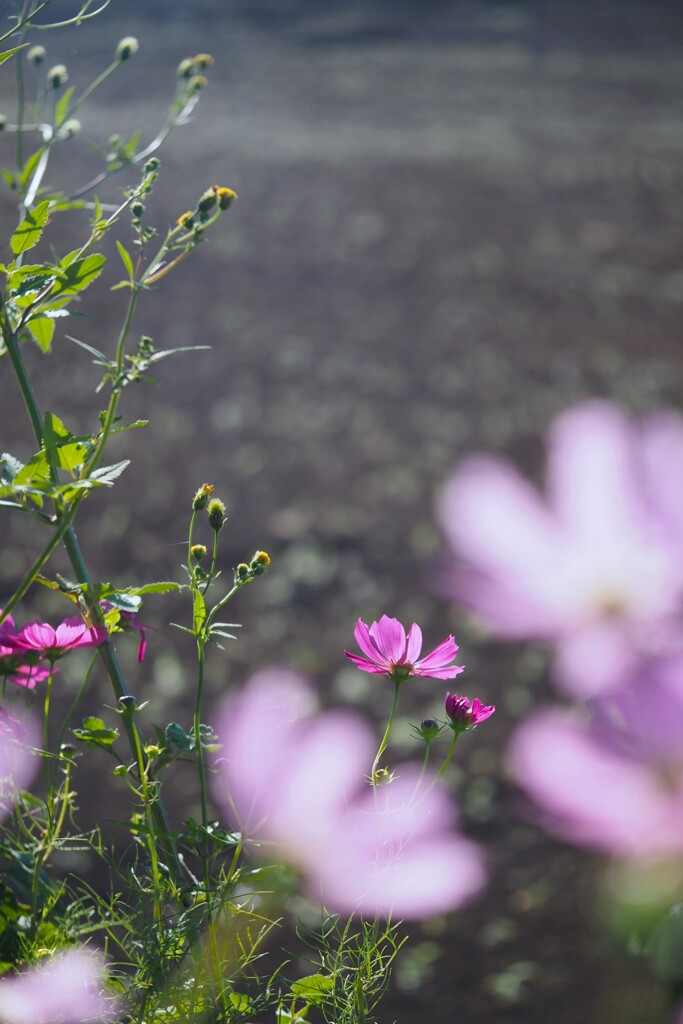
(67,989)
(595,788)
(596,567)
(464,713)
(391,653)
(297,781)
(53,643)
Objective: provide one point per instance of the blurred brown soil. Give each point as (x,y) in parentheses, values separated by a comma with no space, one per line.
(454,220)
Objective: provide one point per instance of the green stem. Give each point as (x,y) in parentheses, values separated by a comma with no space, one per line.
(151,832)
(106,650)
(449,755)
(387,731)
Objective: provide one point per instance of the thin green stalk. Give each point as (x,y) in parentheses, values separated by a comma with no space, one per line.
(150,829)
(387,731)
(449,755)
(106,650)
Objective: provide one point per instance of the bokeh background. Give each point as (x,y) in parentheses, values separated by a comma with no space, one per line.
(455,219)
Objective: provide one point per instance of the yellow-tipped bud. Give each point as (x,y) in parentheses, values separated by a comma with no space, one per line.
(259,563)
(202,61)
(225,197)
(185,220)
(198,551)
(201,498)
(216,512)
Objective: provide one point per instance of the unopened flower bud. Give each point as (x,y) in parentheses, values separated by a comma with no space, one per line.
(224,196)
(36,55)
(207,201)
(57,76)
(67,750)
(185,220)
(71,127)
(429,729)
(137,209)
(464,714)
(202,61)
(242,572)
(196,83)
(259,563)
(216,512)
(128,703)
(198,551)
(382,777)
(152,750)
(152,165)
(127,48)
(201,498)
(186,68)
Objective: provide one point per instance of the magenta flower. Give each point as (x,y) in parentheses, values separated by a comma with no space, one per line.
(68,989)
(297,783)
(464,713)
(391,653)
(53,643)
(596,568)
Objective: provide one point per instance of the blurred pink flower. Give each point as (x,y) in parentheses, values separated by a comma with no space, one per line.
(391,653)
(64,990)
(299,781)
(597,567)
(53,643)
(18,763)
(464,713)
(594,791)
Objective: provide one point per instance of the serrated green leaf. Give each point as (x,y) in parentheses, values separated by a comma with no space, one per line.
(78,274)
(125,257)
(108,474)
(31,228)
(95,733)
(42,332)
(198,611)
(10,467)
(153,588)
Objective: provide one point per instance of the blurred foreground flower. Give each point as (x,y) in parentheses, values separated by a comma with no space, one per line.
(597,567)
(18,763)
(390,652)
(298,780)
(605,788)
(65,990)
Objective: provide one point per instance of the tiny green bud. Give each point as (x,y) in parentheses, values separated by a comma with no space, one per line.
(186,68)
(36,55)
(242,573)
(429,729)
(152,165)
(196,83)
(382,777)
(127,47)
(121,769)
(137,209)
(128,703)
(207,201)
(152,750)
(201,498)
(57,76)
(216,512)
(67,750)
(71,127)
(198,551)
(259,563)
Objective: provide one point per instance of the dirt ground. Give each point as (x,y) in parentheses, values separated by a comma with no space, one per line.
(455,219)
